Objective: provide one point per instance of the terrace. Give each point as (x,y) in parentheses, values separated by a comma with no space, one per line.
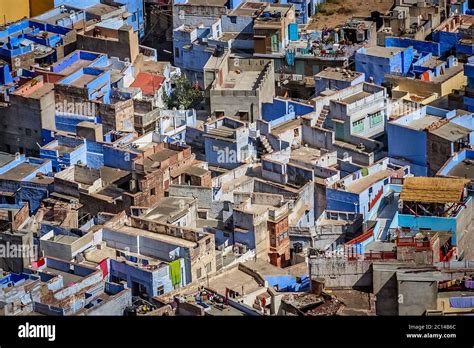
(77,61)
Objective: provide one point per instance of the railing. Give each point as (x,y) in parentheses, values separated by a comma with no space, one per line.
(361,238)
(301,231)
(381,255)
(291,77)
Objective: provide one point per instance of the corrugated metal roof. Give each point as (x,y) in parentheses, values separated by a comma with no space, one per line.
(433,190)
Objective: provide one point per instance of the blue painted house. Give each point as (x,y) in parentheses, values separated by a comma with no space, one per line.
(362,191)
(376,62)
(24,179)
(469,95)
(135,8)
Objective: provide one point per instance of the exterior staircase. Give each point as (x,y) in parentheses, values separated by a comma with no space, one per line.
(322,116)
(266,144)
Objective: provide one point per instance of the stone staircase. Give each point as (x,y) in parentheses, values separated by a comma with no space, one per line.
(322,116)
(266,144)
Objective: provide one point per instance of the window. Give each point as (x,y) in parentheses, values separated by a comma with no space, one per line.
(176,52)
(227,235)
(375,119)
(385,182)
(28,131)
(160,290)
(208,268)
(153,191)
(198,273)
(134,17)
(202,215)
(233,19)
(358,126)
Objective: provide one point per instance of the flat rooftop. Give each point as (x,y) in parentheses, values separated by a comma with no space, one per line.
(451,131)
(34,90)
(305,154)
(101,9)
(5,158)
(385,52)
(249,9)
(62,149)
(272,16)
(195,171)
(79,64)
(286,126)
(110,174)
(83,80)
(169,208)
(68,277)
(432,63)
(132,231)
(212,3)
(153,161)
(352,147)
(243,81)
(222,132)
(424,122)
(464,169)
(364,183)
(19,172)
(339,74)
(355,97)
(63,239)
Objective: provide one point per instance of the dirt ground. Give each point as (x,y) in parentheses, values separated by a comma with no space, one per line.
(335,12)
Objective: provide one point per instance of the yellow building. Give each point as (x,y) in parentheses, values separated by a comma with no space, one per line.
(38,7)
(13,10)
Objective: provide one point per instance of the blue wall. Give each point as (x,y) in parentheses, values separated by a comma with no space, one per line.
(430,222)
(447,41)
(410,144)
(342,201)
(288,283)
(421,46)
(377,67)
(455,160)
(282,110)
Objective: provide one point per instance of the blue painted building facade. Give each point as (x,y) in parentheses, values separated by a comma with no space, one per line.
(433,223)
(304,9)
(134,7)
(469,96)
(365,200)
(19,182)
(376,62)
(65,150)
(22,37)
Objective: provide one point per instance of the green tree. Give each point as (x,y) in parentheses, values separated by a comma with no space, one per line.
(184,95)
